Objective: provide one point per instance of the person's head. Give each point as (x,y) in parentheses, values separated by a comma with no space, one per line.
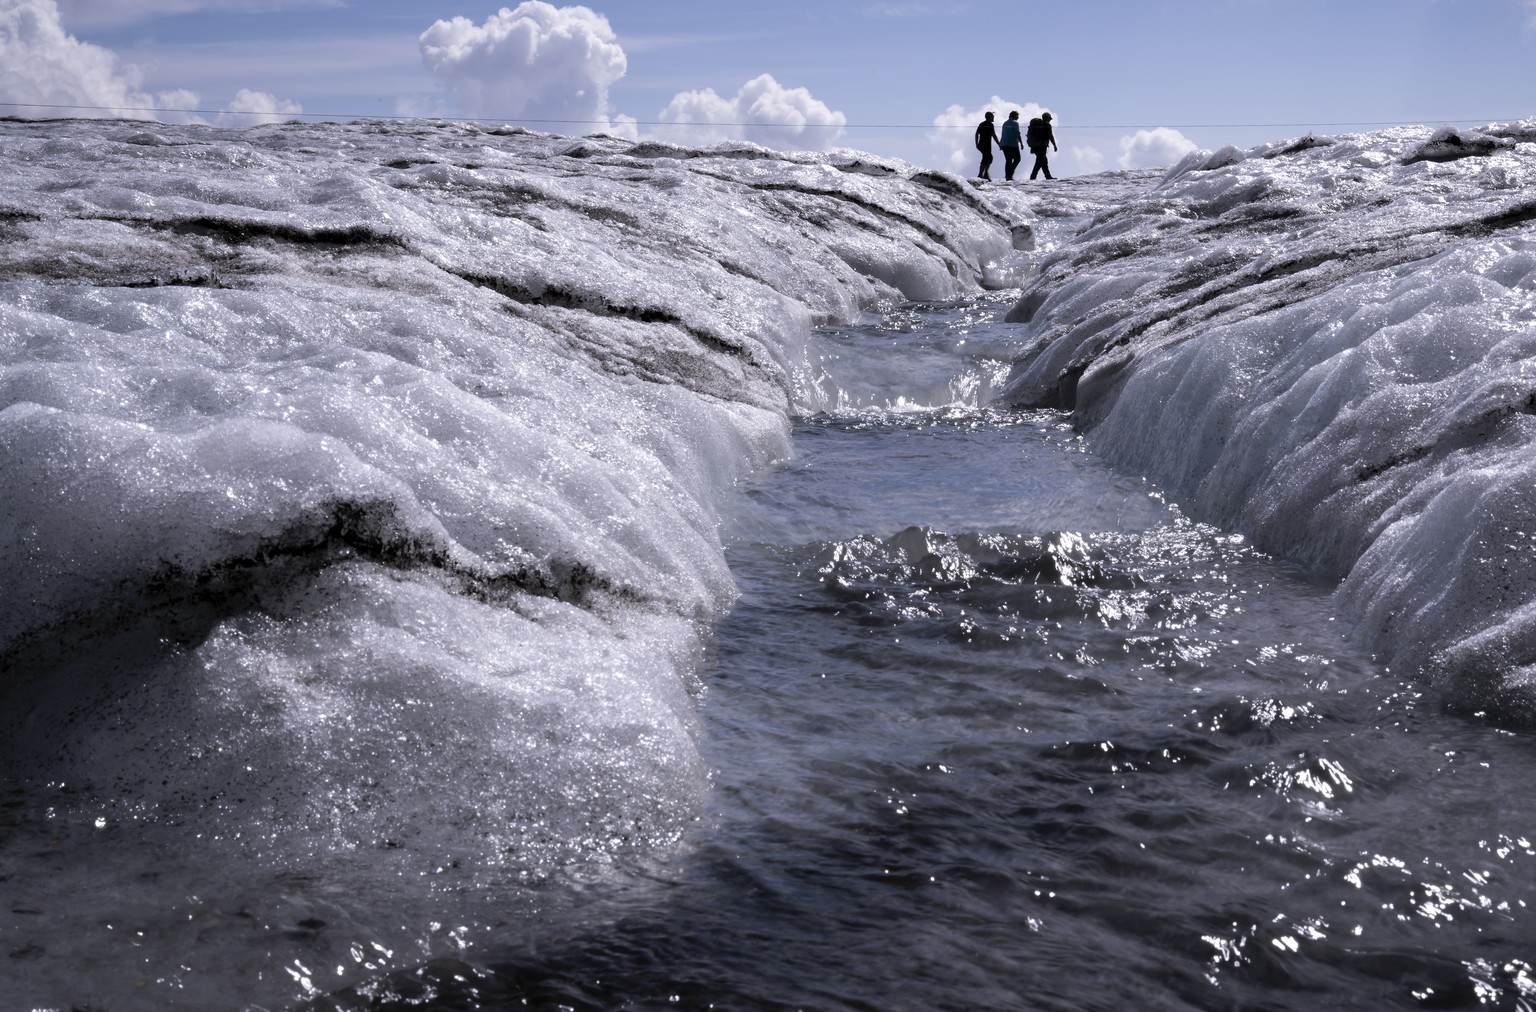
(989,117)
(1014,114)
(1046,117)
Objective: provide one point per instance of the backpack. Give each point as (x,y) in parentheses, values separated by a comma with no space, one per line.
(1038,136)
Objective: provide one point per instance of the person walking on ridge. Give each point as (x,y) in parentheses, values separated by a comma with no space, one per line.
(1010,143)
(986,133)
(1039,137)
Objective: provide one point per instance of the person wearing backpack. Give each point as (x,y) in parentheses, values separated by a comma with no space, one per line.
(1039,137)
(986,133)
(1011,142)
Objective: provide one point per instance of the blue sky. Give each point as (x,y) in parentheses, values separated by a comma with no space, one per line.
(901,77)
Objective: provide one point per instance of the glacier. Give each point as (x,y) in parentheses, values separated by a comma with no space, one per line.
(1327,344)
(363,485)
(364,481)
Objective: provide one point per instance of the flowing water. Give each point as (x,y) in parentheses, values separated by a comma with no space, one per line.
(996,727)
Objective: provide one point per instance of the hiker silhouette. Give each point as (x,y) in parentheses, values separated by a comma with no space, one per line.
(1010,142)
(986,134)
(1040,137)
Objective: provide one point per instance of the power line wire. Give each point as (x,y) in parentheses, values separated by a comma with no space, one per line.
(666,123)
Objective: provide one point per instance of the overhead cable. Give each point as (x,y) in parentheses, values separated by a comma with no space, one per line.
(742,125)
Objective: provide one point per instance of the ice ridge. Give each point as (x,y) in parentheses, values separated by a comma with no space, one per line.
(294,414)
(1328,344)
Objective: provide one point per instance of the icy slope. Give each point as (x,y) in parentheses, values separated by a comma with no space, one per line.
(1329,344)
(361,488)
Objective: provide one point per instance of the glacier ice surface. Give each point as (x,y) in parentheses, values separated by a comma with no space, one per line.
(1327,343)
(362,495)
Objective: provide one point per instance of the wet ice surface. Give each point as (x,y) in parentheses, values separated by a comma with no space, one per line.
(1326,344)
(360,519)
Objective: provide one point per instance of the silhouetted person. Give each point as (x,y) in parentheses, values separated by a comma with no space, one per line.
(986,133)
(1040,137)
(1011,142)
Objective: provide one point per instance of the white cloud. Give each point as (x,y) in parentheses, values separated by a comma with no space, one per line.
(179,106)
(1147,148)
(763,111)
(1088,159)
(253,108)
(536,62)
(422,108)
(552,66)
(45,72)
(953,137)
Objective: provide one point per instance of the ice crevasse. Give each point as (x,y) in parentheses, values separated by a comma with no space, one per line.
(1330,344)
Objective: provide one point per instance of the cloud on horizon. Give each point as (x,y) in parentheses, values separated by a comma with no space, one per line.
(1089,159)
(762,111)
(46,72)
(43,69)
(1149,148)
(255,108)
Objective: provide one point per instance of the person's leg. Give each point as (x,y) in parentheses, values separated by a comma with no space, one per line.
(1011,160)
(1039,161)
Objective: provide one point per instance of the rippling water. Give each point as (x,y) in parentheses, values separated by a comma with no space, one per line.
(996,727)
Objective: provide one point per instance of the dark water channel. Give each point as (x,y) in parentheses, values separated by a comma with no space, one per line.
(995,727)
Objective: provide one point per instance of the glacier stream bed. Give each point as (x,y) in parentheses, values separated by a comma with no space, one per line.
(994,726)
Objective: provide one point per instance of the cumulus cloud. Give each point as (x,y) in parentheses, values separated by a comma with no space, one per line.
(1088,159)
(763,111)
(953,137)
(535,62)
(179,106)
(541,63)
(253,108)
(1148,148)
(46,72)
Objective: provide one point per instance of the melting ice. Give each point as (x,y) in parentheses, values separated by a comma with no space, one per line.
(1328,344)
(361,501)
(363,482)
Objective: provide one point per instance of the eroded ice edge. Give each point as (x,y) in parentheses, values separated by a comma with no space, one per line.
(360,512)
(1330,344)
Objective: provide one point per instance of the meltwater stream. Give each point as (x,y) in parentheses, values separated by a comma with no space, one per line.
(995,727)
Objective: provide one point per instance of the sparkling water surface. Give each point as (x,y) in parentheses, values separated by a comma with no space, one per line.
(996,727)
